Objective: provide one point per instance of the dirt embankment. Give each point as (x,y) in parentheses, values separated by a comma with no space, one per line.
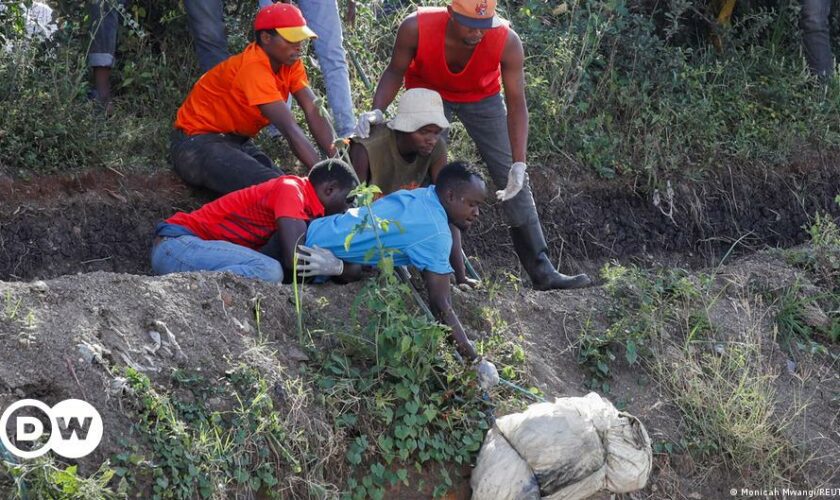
(63,338)
(58,339)
(102,221)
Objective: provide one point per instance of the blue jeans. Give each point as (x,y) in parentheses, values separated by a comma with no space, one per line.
(206,22)
(815,36)
(182,251)
(104,22)
(322,16)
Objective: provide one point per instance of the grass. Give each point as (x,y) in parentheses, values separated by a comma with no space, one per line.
(728,405)
(611,91)
(718,375)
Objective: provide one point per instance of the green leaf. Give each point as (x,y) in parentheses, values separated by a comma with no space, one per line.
(348,240)
(386,443)
(369,254)
(405,345)
(603,368)
(632,353)
(378,470)
(401,432)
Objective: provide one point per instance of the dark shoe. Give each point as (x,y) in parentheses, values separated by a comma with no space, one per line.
(530,246)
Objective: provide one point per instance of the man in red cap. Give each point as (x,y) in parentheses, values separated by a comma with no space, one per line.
(465,52)
(211,144)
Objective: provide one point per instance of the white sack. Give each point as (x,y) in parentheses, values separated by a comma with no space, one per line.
(573,447)
(560,445)
(629,456)
(501,474)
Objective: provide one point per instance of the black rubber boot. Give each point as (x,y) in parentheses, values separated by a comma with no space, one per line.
(530,246)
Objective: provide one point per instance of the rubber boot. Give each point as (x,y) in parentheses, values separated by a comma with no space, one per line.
(530,246)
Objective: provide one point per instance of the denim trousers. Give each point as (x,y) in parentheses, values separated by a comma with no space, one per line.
(187,252)
(815,36)
(222,163)
(104,23)
(206,22)
(486,123)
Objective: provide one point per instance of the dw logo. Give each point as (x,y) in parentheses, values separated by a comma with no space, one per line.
(75,428)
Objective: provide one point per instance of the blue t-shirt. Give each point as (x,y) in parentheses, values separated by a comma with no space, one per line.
(424,242)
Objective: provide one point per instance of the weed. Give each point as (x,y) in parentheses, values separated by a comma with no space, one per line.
(645,303)
(727,400)
(199,452)
(416,410)
(42,477)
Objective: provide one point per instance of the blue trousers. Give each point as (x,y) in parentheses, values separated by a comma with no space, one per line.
(181,251)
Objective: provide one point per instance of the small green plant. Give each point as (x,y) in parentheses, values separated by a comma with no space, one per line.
(644,303)
(42,477)
(418,408)
(203,452)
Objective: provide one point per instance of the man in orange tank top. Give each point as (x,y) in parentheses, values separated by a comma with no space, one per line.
(466,53)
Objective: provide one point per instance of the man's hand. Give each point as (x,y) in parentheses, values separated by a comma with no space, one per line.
(486,374)
(516,181)
(367,119)
(469,284)
(318,262)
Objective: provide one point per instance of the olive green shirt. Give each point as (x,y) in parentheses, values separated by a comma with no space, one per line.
(388,169)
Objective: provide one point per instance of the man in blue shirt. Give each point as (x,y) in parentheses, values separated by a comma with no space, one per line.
(418,235)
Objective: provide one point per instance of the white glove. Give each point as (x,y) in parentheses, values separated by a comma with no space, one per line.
(486,374)
(367,119)
(516,181)
(318,262)
(468,285)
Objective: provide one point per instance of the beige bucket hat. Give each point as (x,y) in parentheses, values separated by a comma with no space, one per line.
(418,108)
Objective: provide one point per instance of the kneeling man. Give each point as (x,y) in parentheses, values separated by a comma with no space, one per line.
(253,232)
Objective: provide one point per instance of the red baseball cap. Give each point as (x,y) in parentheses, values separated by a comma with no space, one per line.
(477,14)
(286,20)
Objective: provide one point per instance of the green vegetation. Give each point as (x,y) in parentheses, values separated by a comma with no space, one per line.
(43,478)
(723,388)
(804,318)
(613,87)
(197,451)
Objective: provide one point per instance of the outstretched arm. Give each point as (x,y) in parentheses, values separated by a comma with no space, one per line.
(405,47)
(513,79)
(318,124)
(441,304)
(278,113)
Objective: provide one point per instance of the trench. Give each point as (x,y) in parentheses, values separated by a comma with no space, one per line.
(102,221)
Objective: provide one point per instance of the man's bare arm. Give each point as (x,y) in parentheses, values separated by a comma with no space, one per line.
(318,124)
(441,304)
(513,79)
(405,48)
(278,113)
(360,161)
(291,232)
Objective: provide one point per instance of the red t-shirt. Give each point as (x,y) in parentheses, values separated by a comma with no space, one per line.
(248,217)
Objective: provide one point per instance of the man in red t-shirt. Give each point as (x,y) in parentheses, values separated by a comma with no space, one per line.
(211,144)
(253,232)
(466,53)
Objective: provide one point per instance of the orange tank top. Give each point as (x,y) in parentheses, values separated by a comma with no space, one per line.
(480,78)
